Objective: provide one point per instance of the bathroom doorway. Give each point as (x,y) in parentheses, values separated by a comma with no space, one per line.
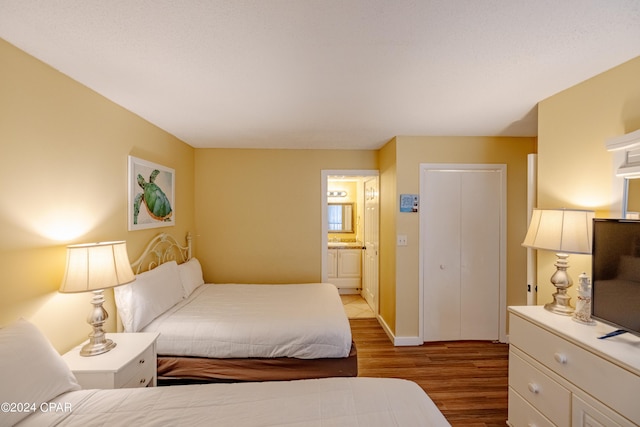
(358,189)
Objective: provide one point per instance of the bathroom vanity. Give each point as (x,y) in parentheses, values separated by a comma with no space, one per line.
(344,266)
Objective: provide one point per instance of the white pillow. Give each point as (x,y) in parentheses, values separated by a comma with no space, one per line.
(151,294)
(32,371)
(190,276)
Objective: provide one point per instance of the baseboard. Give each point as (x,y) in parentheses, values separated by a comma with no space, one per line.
(385,328)
(398,341)
(407,341)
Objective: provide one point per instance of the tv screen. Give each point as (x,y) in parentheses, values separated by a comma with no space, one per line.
(616,273)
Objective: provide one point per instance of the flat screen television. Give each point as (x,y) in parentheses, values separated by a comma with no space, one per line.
(616,273)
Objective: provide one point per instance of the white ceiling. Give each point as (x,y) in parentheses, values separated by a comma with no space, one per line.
(327,73)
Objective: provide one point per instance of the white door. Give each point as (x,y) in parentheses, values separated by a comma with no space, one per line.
(371,242)
(462,238)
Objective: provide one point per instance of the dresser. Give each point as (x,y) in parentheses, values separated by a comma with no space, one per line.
(132,363)
(561,374)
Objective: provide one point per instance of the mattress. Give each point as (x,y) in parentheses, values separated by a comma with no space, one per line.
(345,402)
(189,370)
(305,321)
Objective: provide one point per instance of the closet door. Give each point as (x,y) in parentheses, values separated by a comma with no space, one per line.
(441,239)
(461,254)
(480,255)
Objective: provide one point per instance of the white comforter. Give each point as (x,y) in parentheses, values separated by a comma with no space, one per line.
(325,402)
(305,321)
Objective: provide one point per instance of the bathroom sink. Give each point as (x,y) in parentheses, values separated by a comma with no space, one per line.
(345,244)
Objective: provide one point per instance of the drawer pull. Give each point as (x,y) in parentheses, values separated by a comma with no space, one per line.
(560,358)
(533,388)
(141,361)
(142,381)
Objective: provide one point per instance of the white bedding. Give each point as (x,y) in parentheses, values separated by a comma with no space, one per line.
(305,321)
(326,402)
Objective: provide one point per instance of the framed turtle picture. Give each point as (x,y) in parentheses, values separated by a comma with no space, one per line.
(151,195)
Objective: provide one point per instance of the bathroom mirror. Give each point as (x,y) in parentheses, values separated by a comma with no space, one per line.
(626,169)
(340,217)
(631,195)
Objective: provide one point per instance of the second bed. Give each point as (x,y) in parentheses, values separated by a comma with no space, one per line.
(234,332)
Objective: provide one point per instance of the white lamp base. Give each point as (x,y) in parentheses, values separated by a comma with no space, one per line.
(562,282)
(98,342)
(559,307)
(93,349)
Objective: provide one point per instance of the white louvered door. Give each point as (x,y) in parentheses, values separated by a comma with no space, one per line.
(461,240)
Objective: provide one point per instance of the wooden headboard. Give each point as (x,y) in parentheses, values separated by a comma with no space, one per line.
(162,248)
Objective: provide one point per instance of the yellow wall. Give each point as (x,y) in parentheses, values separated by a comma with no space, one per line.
(410,153)
(63,169)
(574,168)
(387,254)
(259,212)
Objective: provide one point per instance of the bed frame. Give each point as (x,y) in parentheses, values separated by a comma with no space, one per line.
(186,370)
(162,248)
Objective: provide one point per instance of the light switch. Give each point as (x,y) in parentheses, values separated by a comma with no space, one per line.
(402,240)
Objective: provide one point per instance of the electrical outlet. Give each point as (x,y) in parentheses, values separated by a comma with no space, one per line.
(402,240)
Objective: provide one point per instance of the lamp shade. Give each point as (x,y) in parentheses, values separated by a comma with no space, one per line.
(95,266)
(560,230)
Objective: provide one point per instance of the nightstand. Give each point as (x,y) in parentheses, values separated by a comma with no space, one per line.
(132,363)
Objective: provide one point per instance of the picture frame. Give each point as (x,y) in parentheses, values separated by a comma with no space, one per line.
(151,195)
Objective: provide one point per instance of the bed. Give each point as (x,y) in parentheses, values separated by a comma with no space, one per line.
(39,390)
(233,332)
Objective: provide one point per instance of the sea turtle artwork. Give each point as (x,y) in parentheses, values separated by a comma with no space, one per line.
(157,203)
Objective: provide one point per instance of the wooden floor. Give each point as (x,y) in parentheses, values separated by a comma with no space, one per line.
(467,380)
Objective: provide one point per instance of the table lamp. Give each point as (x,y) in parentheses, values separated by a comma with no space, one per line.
(95,267)
(564,231)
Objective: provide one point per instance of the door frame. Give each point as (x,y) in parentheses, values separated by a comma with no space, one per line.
(502,299)
(325,174)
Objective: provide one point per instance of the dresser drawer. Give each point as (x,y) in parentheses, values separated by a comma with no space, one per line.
(522,414)
(144,379)
(141,367)
(591,413)
(539,390)
(605,381)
